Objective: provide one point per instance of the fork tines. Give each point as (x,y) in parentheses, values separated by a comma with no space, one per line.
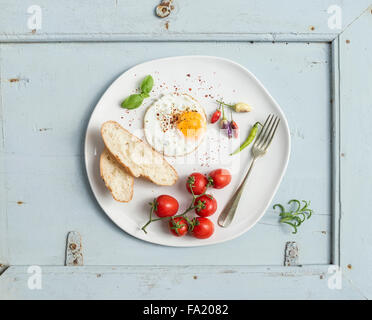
(267,132)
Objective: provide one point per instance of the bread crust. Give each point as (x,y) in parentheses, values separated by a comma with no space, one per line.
(141,141)
(103,154)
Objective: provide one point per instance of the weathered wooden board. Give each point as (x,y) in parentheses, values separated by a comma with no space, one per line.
(207,19)
(175,283)
(356,153)
(46,111)
(47,92)
(3,195)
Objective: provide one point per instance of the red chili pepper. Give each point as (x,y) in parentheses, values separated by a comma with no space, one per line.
(235,128)
(216,115)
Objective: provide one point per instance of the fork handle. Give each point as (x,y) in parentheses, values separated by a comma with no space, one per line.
(228,212)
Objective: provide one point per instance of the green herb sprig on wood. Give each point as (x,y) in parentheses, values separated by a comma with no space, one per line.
(296,217)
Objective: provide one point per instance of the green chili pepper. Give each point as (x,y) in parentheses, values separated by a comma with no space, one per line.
(250,138)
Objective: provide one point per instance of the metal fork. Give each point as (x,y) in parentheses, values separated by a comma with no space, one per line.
(259,149)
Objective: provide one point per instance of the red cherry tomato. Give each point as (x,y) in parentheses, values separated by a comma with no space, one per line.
(198,183)
(165,206)
(207,205)
(203,228)
(178,226)
(220,178)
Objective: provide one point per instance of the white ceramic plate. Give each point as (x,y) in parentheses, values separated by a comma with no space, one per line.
(205,78)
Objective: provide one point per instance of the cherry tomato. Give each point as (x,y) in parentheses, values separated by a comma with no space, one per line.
(203,228)
(220,178)
(165,206)
(178,226)
(207,205)
(198,182)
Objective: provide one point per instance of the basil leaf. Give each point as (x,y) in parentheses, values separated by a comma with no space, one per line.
(135,100)
(132,102)
(147,84)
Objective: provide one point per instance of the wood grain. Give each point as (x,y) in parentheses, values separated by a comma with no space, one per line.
(48,90)
(45,168)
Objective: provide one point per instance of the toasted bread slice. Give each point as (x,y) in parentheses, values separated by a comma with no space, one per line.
(117,179)
(137,156)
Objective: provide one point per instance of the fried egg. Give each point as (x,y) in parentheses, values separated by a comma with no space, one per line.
(175,125)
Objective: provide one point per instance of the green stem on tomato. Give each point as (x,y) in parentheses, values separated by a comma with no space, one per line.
(192,191)
(150,219)
(190,208)
(163,218)
(144,227)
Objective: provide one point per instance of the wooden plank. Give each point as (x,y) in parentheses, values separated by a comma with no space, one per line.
(356,152)
(121,20)
(68,21)
(3,192)
(335,141)
(144,283)
(47,110)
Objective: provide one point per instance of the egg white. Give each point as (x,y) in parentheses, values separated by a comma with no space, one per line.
(171,142)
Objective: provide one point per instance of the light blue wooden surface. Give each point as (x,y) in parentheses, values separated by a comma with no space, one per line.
(188,282)
(45,113)
(207,19)
(356,164)
(59,95)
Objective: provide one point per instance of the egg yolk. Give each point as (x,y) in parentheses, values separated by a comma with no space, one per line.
(191,124)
